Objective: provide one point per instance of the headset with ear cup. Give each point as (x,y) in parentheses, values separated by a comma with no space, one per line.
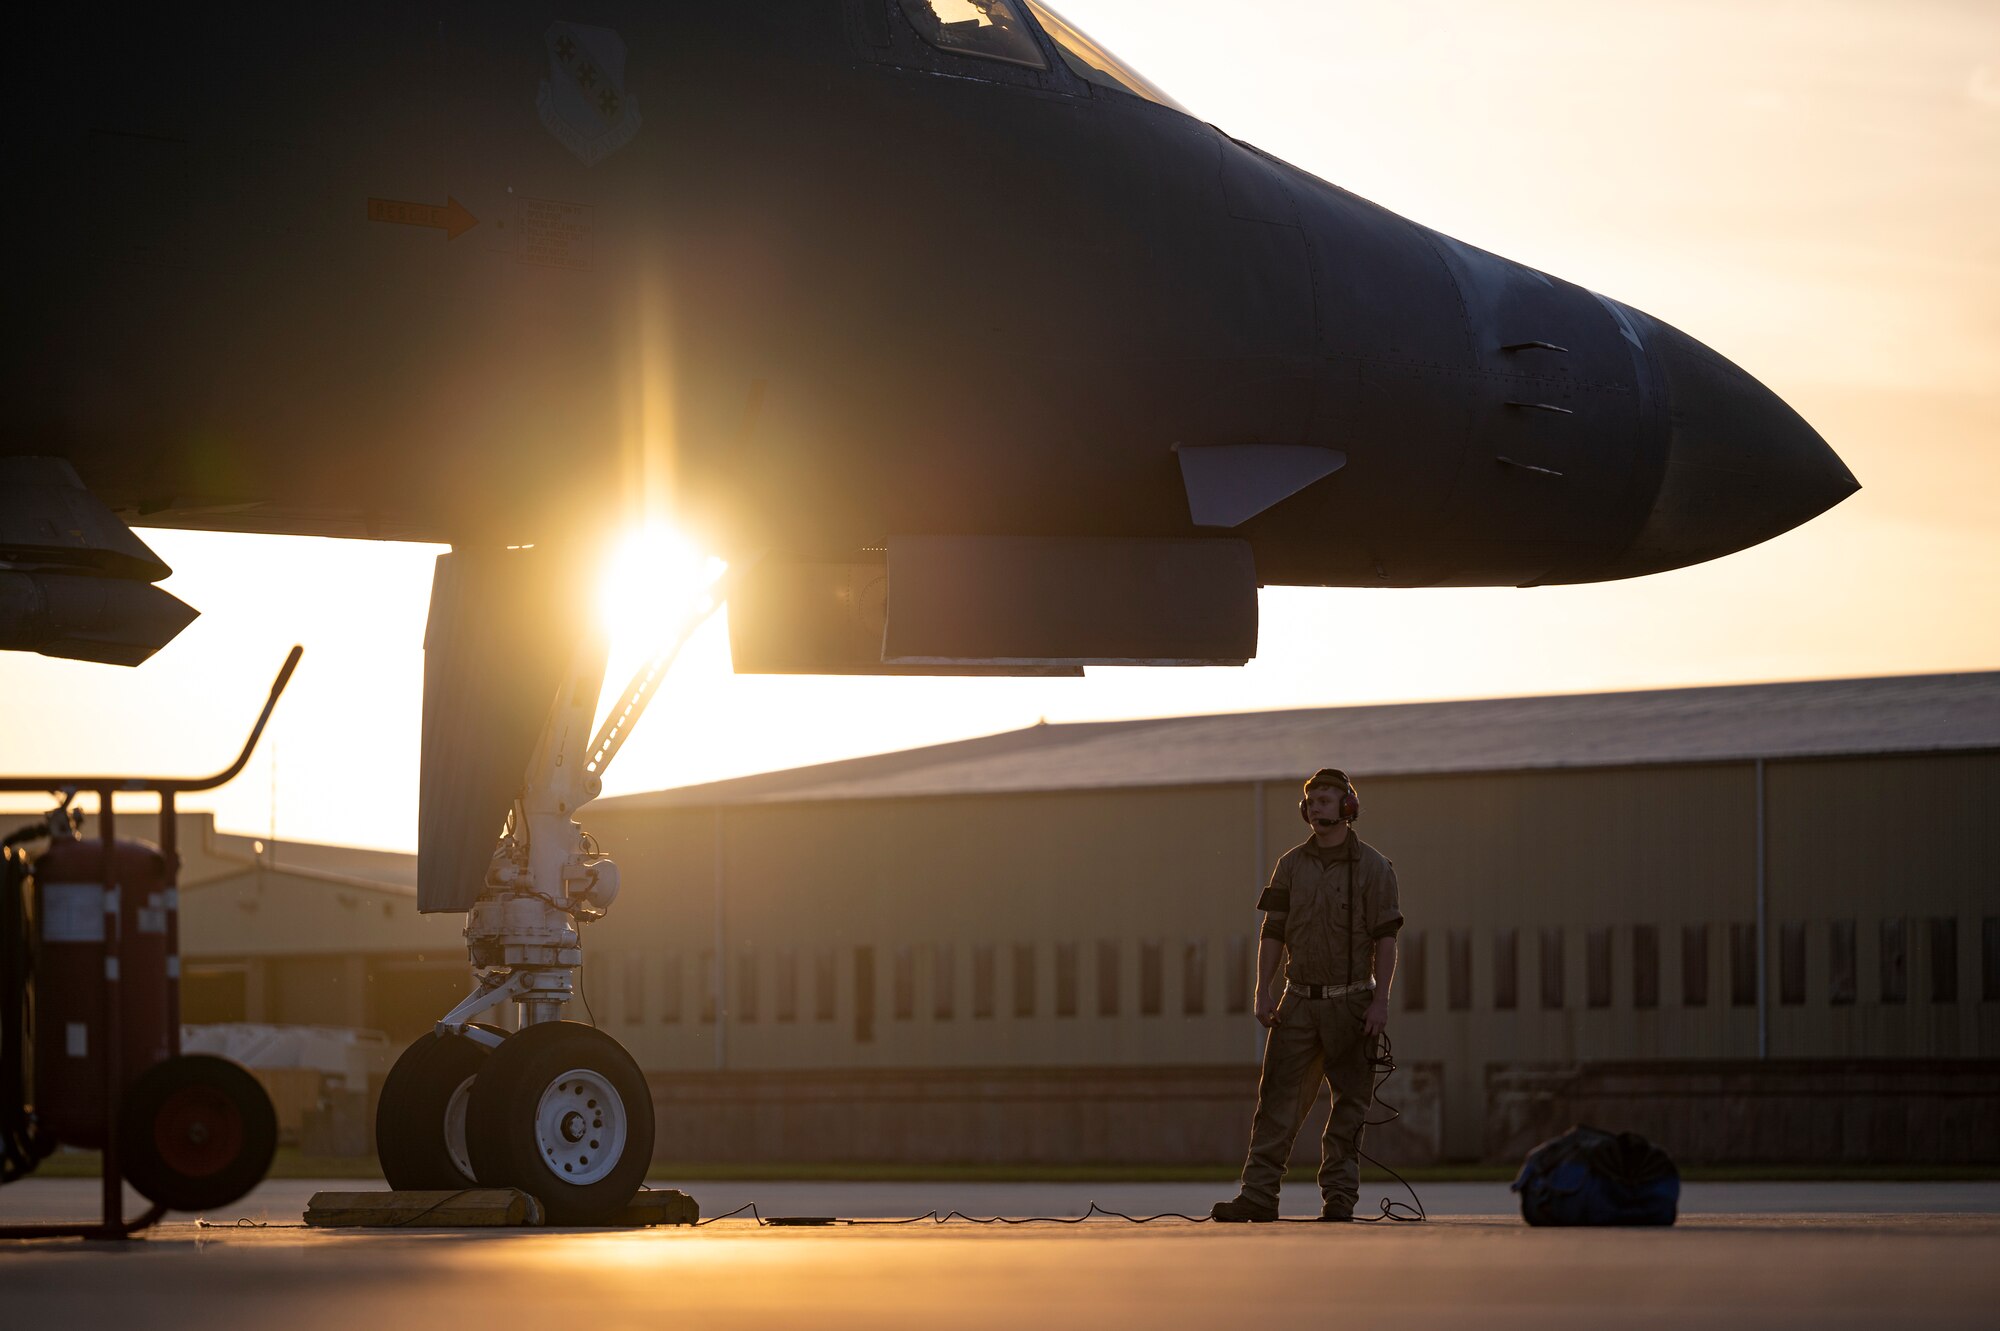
(1350,800)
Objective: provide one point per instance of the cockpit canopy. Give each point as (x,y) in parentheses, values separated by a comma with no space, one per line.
(1000,30)
(1092,63)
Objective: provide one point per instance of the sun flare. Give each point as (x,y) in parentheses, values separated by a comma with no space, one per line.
(655,577)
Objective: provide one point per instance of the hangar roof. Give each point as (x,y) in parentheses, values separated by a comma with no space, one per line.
(1905,714)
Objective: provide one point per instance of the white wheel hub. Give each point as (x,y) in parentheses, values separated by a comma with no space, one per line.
(580,1127)
(454,1127)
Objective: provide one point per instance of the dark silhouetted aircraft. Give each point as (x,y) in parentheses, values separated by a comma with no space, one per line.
(967,347)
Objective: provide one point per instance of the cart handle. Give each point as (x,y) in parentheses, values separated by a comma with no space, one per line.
(166,784)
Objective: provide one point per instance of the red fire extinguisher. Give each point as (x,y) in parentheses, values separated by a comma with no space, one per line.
(87,947)
(87,932)
(89,1006)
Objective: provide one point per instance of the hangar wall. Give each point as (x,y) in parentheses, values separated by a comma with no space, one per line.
(1114,928)
(1094,941)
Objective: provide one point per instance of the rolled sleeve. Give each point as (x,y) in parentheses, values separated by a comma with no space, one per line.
(1385,907)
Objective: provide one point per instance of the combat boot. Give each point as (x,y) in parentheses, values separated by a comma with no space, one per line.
(1239,1209)
(1336,1212)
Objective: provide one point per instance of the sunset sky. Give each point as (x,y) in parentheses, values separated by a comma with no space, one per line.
(1811,188)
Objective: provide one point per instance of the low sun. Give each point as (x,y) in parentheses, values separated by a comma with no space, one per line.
(654,577)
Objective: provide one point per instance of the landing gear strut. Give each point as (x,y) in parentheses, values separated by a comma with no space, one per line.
(558,1109)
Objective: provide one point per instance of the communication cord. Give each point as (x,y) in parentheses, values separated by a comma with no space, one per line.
(1382,1058)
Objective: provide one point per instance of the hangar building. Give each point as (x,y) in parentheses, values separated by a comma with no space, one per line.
(1039,945)
(1797,874)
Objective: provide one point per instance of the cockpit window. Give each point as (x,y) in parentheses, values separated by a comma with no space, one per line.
(989,29)
(1091,62)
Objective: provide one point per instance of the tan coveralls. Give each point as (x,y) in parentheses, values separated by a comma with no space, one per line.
(1328,907)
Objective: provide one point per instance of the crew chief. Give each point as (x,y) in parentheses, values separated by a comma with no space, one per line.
(1330,915)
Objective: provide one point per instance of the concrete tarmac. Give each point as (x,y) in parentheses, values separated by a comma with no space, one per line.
(283,1200)
(1821,1255)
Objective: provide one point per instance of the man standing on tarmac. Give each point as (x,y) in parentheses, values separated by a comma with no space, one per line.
(1331,913)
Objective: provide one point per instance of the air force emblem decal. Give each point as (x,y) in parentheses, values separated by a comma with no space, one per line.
(583,100)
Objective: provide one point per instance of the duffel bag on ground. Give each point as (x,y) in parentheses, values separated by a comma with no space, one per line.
(1591,1177)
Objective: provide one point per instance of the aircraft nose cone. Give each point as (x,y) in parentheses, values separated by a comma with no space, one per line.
(1741,466)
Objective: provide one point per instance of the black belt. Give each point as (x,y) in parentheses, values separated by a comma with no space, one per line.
(1329,990)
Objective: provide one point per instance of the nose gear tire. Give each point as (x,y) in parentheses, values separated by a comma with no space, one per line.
(420,1117)
(562,1112)
(196,1132)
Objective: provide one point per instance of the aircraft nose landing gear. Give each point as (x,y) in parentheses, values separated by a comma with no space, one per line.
(558,1109)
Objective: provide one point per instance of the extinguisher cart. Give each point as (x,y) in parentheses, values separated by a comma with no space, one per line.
(119,998)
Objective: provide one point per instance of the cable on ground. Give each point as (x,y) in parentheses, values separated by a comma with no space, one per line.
(1382,1060)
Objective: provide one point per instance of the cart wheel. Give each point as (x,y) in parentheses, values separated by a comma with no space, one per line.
(562,1112)
(420,1117)
(196,1132)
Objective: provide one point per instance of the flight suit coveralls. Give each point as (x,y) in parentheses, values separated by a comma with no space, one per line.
(1329,908)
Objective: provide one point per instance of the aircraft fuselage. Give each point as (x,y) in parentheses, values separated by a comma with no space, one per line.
(811,283)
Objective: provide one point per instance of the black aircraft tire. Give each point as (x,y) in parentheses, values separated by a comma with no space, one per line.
(563,1113)
(195,1132)
(413,1129)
